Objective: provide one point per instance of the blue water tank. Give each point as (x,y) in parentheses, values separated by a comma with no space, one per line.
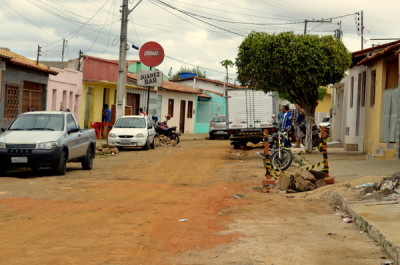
(183,75)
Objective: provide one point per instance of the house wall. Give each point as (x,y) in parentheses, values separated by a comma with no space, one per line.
(17,75)
(177,97)
(92,95)
(324,107)
(352,140)
(201,84)
(372,144)
(207,109)
(64,91)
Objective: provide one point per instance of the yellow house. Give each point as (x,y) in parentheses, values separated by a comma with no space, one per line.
(100,87)
(324,106)
(382,117)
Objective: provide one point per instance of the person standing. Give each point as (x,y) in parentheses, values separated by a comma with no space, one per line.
(287,123)
(142,112)
(297,124)
(106,114)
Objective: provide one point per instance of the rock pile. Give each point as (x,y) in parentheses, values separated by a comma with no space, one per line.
(300,181)
(106,149)
(162,140)
(388,188)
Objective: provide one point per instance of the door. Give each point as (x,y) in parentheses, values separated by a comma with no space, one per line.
(133,101)
(128,111)
(182,116)
(32,95)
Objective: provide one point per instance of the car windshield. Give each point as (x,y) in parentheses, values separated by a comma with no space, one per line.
(325,119)
(219,119)
(130,123)
(46,122)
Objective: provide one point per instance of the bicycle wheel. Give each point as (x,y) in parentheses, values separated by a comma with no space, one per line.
(283,161)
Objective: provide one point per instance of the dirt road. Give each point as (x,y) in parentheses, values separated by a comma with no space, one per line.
(189,204)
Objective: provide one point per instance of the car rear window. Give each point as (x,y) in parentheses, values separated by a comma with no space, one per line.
(219,119)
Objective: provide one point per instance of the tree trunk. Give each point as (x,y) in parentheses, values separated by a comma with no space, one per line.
(309,123)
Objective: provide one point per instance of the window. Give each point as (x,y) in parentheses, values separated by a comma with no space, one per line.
(351,91)
(171,107)
(190,109)
(373,87)
(364,83)
(71,124)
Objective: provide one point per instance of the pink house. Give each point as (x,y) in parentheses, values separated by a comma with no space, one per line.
(64,91)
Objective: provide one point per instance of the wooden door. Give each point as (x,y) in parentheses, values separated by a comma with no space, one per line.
(128,111)
(133,100)
(182,116)
(32,96)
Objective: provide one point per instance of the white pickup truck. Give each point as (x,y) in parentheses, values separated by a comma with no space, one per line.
(46,139)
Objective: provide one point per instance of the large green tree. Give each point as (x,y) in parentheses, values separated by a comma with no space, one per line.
(293,65)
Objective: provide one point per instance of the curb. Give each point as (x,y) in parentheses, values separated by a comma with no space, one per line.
(392,250)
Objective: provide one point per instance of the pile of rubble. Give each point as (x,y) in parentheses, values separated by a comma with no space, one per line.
(301,180)
(106,149)
(387,189)
(162,140)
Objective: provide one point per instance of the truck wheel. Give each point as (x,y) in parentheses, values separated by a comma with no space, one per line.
(236,145)
(212,136)
(87,161)
(146,145)
(153,145)
(61,166)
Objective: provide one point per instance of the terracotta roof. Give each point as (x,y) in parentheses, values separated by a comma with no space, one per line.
(18,59)
(204,96)
(209,80)
(379,54)
(372,49)
(171,86)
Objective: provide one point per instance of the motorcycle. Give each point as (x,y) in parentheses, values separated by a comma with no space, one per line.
(281,157)
(163,129)
(316,140)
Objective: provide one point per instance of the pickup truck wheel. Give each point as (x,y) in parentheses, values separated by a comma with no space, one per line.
(61,166)
(146,145)
(87,162)
(153,145)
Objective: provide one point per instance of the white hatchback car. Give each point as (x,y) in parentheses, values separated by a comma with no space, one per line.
(132,131)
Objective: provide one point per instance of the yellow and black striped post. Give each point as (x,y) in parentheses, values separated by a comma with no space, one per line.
(328,180)
(267,161)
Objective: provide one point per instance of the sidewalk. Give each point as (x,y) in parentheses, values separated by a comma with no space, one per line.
(379,218)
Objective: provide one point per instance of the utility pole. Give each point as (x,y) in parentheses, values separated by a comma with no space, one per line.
(120,106)
(362,30)
(63,50)
(318,21)
(39,50)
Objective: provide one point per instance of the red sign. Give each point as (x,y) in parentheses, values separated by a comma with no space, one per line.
(151,54)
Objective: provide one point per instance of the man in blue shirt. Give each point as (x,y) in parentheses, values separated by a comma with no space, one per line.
(106,114)
(287,123)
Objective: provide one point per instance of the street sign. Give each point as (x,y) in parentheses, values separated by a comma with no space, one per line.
(151,54)
(150,78)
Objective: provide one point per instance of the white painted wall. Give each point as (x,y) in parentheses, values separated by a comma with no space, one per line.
(177,97)
(201,84)
(351,112)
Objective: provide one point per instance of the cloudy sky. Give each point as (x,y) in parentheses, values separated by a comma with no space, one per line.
(192,33)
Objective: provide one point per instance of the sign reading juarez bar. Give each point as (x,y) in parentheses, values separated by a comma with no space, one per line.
(150,78)
(151,54)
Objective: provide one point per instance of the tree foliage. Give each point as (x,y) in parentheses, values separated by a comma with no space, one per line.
(195,70)
(227,63)
(293,65)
